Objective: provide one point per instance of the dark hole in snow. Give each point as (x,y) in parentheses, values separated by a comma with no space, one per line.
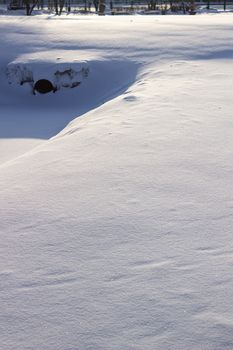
(43,86)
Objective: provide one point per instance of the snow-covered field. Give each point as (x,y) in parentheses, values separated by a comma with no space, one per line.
(116,227)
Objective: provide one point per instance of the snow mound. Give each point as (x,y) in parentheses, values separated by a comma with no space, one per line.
(116,233)
(61,73)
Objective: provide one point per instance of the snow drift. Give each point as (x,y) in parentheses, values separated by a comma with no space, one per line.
(116,226)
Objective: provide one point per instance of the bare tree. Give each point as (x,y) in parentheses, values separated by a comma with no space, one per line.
(101,7)
(59,5)
(224,5)
(30,5)
(96,5)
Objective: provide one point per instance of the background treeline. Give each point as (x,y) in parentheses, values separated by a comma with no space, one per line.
(114,7)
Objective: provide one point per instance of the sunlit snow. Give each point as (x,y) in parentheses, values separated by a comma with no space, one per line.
(116,196)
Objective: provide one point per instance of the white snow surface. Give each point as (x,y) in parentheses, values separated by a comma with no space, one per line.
(116,196)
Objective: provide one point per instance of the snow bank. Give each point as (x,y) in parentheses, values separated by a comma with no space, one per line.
(116,227)
(60,73)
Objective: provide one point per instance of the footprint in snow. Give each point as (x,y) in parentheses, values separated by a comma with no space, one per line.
(130,98)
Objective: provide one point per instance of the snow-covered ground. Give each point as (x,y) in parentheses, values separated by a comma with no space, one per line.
(116,227)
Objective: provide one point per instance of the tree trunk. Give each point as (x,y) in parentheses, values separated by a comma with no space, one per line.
(101,7)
